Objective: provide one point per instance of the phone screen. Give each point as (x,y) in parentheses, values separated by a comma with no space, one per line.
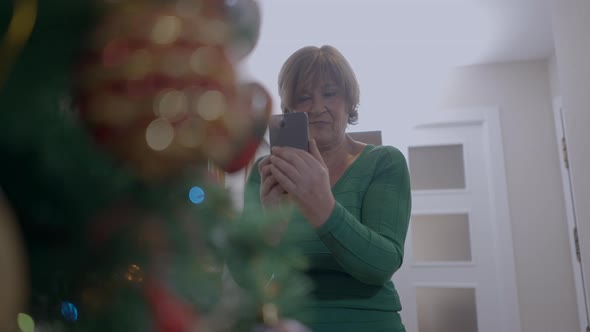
(290,129)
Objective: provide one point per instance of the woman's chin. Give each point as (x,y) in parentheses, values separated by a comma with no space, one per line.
(323,143)
(318,134)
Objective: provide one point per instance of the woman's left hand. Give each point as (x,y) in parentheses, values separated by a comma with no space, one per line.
(306,178)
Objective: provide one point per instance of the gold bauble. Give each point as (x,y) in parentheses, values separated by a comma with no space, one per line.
(13,280)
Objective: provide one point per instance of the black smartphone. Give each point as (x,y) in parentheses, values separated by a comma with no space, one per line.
(290,129)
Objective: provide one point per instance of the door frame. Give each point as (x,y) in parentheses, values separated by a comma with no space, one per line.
(489,118)
(569,200)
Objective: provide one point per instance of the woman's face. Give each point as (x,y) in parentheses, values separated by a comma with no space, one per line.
(327,110)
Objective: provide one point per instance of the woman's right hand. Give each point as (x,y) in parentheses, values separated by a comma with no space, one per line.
(272,196)
(271,193)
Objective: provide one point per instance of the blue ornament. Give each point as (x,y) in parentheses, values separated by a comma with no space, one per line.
(196,195)
(69,311)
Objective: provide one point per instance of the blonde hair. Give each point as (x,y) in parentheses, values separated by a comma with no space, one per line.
(310,65)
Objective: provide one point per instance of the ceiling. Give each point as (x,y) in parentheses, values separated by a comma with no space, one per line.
(463,31)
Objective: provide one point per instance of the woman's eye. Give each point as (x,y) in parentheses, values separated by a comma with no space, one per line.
(303,100)
(330,94)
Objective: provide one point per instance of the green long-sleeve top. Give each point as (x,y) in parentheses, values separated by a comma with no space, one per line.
(354,254)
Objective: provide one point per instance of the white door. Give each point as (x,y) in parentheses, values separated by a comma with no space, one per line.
(458,272)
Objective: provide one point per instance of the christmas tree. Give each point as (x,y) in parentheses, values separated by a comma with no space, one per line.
(115,117)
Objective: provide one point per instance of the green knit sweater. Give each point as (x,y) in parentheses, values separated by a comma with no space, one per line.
(354,254)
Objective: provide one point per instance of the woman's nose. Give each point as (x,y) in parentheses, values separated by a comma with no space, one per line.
(317,106)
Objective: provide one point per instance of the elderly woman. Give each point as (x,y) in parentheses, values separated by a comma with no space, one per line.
(352,199)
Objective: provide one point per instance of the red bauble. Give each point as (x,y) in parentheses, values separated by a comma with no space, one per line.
(170,313)
(156,88)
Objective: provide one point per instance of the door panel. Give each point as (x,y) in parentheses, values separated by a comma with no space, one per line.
(454,276)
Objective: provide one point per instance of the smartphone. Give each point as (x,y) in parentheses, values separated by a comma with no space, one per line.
(290,129)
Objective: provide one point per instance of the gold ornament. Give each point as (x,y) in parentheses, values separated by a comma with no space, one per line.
(270,314)
(13,279)
(134,274)
(158,90)
(20,29)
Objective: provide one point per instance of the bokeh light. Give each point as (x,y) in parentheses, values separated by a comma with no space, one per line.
(166,30)
(171,104)
(203,60)
(134,274)
(211,105)
(69,311)
(196,195)
(25,323)
(159,134)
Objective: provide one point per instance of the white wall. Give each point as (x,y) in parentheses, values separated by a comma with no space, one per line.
(542,257)
(571,24)
(553,77)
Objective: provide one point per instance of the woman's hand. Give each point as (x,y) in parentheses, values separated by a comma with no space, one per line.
(272,196)
(271,193)
(307,180)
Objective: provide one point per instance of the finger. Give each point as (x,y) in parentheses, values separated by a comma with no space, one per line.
(283,180)
(277,189)
(265,170)
(268,184)
(263,163)
(293,156)
(292,171)
(307,157)
(271,183)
